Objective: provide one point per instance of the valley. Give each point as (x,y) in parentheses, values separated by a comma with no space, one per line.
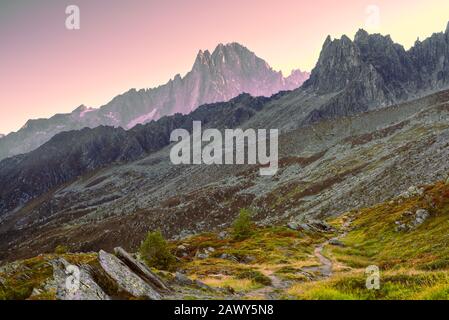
(361,181)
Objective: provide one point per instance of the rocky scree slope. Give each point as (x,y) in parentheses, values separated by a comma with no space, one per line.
(325,170)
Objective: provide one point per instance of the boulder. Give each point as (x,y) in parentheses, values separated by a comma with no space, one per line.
(75,283)
(336,242)
(311,225)
(125,279)
(223,235)
(421,215)
(229,257)
(202,255)
(183,280)
(293,226)
(248,259)
(141,270)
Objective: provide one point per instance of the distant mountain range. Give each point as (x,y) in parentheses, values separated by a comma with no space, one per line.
(229,71)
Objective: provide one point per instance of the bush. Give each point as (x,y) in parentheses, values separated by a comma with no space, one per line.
(242,227)
(256,276)
(60,249)
(155,251)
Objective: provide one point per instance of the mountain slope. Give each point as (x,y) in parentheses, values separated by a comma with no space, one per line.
(71,154)
(324,169)
(229,71)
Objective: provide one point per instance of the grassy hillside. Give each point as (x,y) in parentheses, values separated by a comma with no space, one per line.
(406,237)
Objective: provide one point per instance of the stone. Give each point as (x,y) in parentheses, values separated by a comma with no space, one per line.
(202,255)
(336,242)
(293,226)
(401,227)
(230,257)
(202,285)
(223,235)
(421,215)
(125,278)
(141,269)
(248,259)
(182,279)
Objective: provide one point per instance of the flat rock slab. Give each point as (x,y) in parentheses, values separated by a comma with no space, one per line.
(125,278)
(141,269)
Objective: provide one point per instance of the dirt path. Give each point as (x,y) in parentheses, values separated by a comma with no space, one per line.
(325,270)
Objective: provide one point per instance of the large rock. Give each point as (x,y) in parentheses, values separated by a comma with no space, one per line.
(141,269)
(125,278)
(75,283)
(421,215)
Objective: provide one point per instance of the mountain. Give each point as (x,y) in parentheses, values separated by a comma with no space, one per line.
(218,76)
(325,169)
(372,72)
(2,135)
(73,153)
(328,163)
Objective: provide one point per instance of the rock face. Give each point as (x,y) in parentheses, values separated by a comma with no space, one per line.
(229,71)
(125,279)
(372,71)
(84,289)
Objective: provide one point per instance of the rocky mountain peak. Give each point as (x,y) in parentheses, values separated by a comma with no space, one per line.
(338,62)
(327,42)
(203,58)
(82,108)
(361,35)
(373,71)
(447,28)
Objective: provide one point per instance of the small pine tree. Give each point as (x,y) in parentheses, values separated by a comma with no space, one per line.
(155,251)
(242,228)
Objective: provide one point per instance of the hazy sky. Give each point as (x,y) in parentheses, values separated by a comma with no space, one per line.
(47,69)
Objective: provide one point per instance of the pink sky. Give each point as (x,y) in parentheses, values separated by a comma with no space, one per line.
(46,69)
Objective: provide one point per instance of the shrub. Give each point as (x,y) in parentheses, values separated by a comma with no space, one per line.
(256,276)
(60,249)
(155,251)
(242,227)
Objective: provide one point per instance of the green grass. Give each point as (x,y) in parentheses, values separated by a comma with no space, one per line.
(374,240)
